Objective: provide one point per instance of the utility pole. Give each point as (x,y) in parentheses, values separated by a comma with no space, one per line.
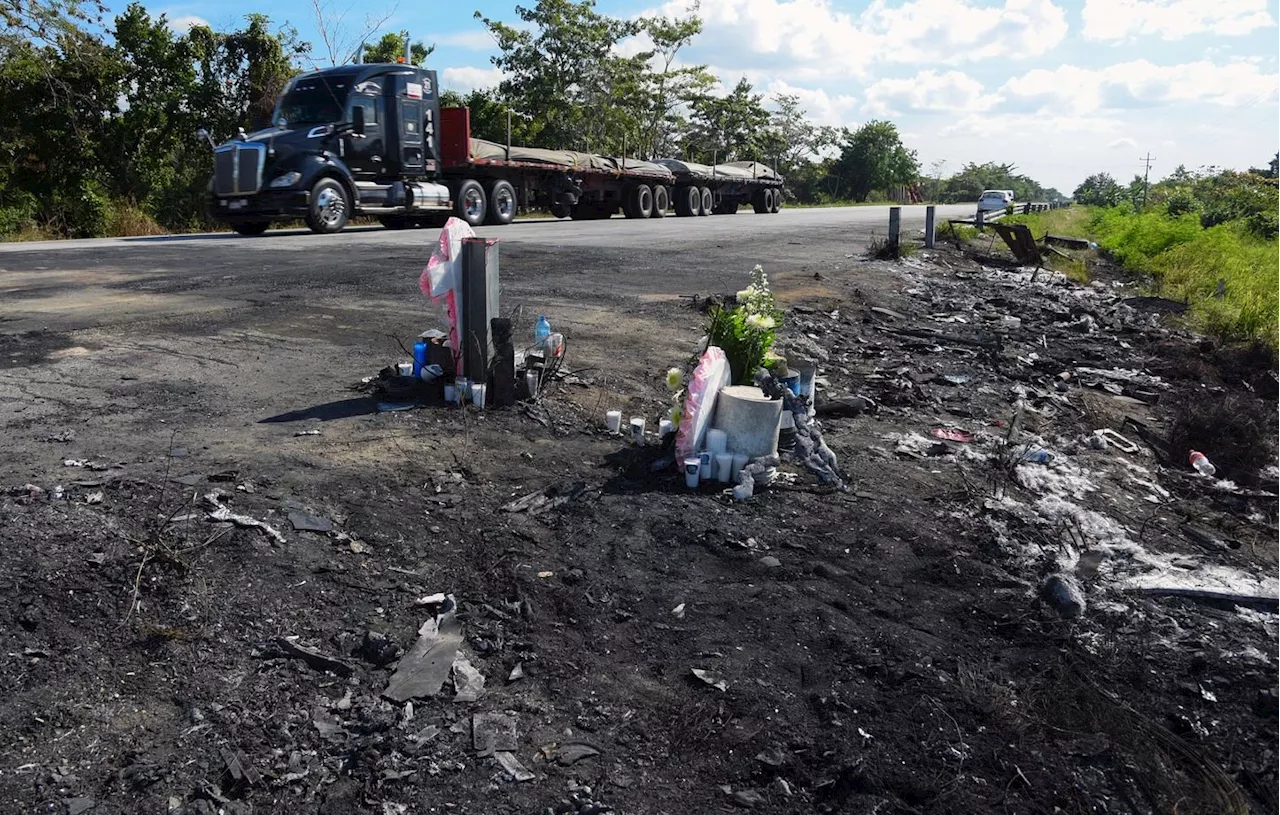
(1146,176)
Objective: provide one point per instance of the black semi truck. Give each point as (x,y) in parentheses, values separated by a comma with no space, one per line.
(372,140)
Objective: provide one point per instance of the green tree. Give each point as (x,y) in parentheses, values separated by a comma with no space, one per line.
(670,87)
(489,116)
(559,61)
(728,128)
(1099,189)
(390,48)
(873,158)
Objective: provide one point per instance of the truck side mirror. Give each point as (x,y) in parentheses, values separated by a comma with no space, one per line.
(357,121)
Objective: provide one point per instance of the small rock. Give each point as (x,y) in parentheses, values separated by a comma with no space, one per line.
(770,562)
(1063,593)
(781,787)
(76,806)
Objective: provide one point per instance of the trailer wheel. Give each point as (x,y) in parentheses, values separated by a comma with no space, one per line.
(760,201)
(561,210)
(639,202)
(329,209)
(777,201)
(253,228)
(502,204)
(688,201)
(470,204)
(660,201)
(707,201)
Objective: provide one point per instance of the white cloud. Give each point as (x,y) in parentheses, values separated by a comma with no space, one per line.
(468,78)
(1141,84)
(821,107)
(812,41)
(1118,20)
(928,92)
(185,22)
(1124,142)
(1025,124)
(471,40)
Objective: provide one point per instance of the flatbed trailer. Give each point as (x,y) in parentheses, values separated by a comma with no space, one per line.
(586,186)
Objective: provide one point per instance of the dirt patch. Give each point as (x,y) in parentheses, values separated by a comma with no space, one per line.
(877,650)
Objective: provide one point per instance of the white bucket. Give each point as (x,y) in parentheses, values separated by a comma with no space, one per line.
(749,420)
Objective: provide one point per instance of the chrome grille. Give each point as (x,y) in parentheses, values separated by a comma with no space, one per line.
(237,168)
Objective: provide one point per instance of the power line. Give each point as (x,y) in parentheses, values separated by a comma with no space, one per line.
(1146,179)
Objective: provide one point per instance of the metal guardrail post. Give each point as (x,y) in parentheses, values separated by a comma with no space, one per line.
(895,225)
(930,212)
(978,219)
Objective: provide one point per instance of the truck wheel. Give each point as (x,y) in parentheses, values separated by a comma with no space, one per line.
(729,206)
(660,201)
(395,222)
(470,204)
(502,204)
(561,210)
(639,202)
(760,201)
(254,228)
(708,201)
(329,209)
(688,201)
(777,201)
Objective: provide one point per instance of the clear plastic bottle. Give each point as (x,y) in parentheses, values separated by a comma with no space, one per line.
(1202,464)
(541,330)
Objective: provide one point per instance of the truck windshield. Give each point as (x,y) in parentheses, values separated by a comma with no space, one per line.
(314,101)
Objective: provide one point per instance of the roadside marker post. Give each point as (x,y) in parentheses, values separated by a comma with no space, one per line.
(929,213)
(977,220)
(895,225)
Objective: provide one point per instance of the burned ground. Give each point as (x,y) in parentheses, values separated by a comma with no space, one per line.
(884,649)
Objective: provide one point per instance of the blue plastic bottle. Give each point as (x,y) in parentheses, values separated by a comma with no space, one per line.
(541,331)
(419,358)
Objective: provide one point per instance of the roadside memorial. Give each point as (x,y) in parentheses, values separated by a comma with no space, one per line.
(476,360)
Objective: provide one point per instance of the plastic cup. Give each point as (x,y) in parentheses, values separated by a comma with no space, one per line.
(717,441)
(692,471)
(724,467)
(477,395)
(613,421)
(531,382)
(404,368)
(664,427)
(451,394)
(739,461)
(637,429)
(704,466)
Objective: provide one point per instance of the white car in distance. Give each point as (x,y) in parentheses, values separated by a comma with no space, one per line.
(995,200)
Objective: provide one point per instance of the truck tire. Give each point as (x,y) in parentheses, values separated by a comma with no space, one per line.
(777,201)
(470,203)
(329,208)
(660,201)
(639,202)
(688,201)
(561,210)
(708,201)
(254,228)
(502,203)
(760,201)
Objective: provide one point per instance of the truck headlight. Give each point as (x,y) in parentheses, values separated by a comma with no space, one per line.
(286,180)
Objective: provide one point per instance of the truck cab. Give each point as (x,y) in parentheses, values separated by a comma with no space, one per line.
(349,140)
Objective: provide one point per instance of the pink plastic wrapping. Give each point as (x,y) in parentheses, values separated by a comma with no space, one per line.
(708,378)
(442,278)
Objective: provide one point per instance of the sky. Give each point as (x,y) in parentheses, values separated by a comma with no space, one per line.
(1060,88)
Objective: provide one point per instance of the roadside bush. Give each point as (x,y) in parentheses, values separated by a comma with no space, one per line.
(18,210)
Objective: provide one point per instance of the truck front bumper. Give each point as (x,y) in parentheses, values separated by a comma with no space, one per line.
(268,205)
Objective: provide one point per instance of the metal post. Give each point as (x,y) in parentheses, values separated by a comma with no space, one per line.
(929,214)
(895,225)
(977,220)
(508,134)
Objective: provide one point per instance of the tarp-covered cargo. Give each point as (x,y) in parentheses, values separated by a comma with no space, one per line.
(733,169)
(482,150)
